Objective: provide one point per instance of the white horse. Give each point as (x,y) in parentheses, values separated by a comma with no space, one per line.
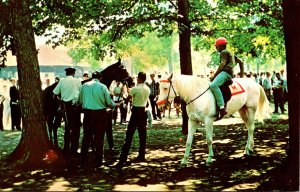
(248,98)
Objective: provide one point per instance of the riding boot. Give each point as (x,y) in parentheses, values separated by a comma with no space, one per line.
(222,112)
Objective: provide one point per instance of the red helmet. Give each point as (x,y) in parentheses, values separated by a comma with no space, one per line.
(221,41)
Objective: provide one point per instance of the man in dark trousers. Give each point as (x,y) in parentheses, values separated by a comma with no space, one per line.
(15,106)
(1,112)
(95,98)
(69,89)
(138,119)
(154,92)
(278,93)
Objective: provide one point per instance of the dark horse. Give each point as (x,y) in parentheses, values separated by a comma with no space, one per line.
(52,113)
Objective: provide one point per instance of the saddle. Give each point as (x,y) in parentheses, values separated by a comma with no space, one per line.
(226,91)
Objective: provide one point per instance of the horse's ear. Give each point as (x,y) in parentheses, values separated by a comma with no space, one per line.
(170,78)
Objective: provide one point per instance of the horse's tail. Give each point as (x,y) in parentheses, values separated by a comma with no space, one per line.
(264,109)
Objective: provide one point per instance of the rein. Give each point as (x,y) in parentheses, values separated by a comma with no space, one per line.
(197,96)
(171,85)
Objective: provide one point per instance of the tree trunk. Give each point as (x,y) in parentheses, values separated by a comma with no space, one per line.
(34,142)
(184,38)
(184,51)
(292,44)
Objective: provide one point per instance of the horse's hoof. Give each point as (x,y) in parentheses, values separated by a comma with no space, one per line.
(248,152)
(209,161)
(183,162)
(183,165)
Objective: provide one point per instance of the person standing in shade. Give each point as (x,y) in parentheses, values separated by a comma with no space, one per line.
(138,119)
(118,95)
(1,111)
(266,84)
(95,98)
(278,93)
(15,106)
(86,78)
(69,89)
(154,92)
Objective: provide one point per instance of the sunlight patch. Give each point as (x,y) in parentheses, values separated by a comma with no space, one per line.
(229,121)
(19,183)
(132,180)
(36,171)
(244,186)
(245,174)
(238,154)
(7,189)
(224,141)
(159,154)
(188,184)
(280,143)
(60,184)
(276,150)
(157,187)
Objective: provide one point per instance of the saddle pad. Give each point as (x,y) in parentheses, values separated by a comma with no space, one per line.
(236,88)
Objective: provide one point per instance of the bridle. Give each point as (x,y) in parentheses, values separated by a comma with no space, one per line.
(176,95)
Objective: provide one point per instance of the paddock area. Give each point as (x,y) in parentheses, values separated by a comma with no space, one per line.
(230,170)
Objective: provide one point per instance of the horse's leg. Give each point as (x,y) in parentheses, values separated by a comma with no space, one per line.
(50,125)
(248,116)
(189,141)
(56,124)
(209,140)
(55,127)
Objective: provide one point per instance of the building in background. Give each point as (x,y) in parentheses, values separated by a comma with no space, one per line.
(52,63)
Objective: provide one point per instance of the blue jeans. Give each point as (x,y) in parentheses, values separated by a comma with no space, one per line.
(215,86)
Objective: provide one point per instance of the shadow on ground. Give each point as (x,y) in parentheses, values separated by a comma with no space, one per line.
(231,170)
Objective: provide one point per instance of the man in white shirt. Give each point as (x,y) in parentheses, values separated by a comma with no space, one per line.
(138,120)
(67,90)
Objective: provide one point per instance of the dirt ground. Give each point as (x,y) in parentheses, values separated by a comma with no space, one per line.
(231,170)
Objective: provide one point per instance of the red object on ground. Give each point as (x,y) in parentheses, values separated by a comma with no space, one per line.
(50,156)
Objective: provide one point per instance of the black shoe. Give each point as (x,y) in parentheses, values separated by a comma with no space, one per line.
(138,160)
(99,164)
(122,164)
(222,113)
(275,112)
(111,152)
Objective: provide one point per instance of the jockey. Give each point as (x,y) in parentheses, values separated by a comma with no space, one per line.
(224,73)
